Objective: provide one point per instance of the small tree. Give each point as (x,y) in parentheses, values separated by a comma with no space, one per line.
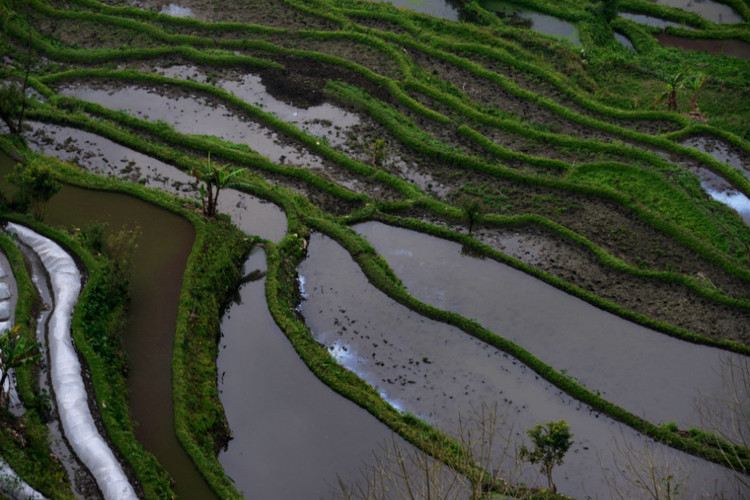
(35,184)
(472,208)
(551,442)
(214,178)
(378,153)
(15,351)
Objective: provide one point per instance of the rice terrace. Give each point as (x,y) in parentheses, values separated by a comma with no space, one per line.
(343,249)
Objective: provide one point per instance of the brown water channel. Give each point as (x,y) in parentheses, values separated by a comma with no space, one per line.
(438,372)
(194,114)
(157,267)
(731,48)
(292,435)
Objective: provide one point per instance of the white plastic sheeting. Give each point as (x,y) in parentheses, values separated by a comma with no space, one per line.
(14,487)
(65,370)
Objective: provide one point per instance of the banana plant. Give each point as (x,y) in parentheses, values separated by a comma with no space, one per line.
(674,81)
(15,351)
(695,84)
(214,178)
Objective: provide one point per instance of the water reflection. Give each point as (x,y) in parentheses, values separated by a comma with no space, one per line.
(438,372)
(717,12)
(596,348)
(176,11)
(438,8)
(653,21)
(281,416)
(541,23)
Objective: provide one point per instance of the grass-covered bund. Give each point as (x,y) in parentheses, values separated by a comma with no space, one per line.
(550,137)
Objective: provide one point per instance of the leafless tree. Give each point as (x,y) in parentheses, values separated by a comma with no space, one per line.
(488,458)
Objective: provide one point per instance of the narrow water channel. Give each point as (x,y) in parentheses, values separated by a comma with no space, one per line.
(438,8)
(158,264)
(438,372)
(83,484)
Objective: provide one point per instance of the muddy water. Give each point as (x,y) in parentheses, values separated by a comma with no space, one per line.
(541,23)
(713,11)
(652,21)
(195,114)
(176,11)
(722,151)
(438,372)
(323,120)
(292,434)
(102,156)
(438,8)
(730,48)
(602,351)
(158,264)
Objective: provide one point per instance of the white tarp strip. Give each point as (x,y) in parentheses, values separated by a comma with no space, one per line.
(65,370)
(14,487)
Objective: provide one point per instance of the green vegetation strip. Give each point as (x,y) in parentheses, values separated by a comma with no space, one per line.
(670,223)
(213,269)
(103,56)
(212,273)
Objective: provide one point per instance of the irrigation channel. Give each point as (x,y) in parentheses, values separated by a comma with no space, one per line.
(440,374)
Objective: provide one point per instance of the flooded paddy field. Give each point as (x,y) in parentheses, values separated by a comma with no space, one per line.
(439,373)
(612,267)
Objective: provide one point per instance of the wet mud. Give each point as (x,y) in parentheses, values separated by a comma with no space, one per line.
(541,23)
(191,114)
